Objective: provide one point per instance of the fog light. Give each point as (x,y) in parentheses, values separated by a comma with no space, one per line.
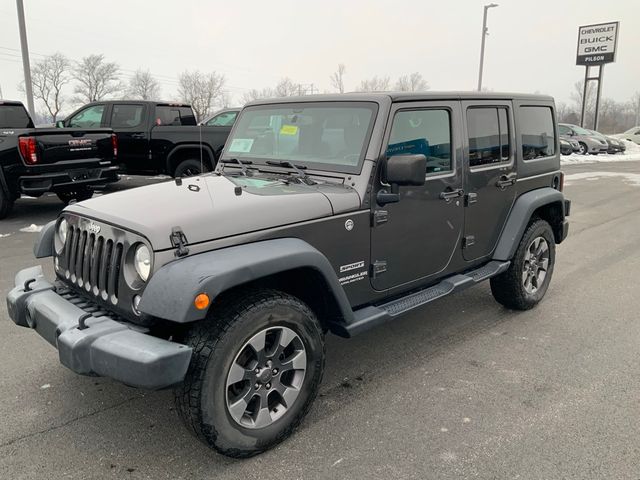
(202,301)
(136,304)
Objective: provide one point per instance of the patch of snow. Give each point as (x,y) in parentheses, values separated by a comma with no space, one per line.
(3,235)
(45,386)
(33,228)
(630,178)
(337,462)
(632,154)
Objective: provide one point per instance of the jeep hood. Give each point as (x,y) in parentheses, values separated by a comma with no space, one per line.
(212,206)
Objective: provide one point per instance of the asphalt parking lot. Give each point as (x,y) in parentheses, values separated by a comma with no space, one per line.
(461,389)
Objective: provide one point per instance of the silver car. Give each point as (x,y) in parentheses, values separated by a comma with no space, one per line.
(588,142)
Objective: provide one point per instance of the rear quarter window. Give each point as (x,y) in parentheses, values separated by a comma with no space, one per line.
(537,132)
(171,115)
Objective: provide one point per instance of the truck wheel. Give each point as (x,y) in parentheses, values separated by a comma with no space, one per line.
(256,367)
(78,195)
(526,280)
(6,204)
(190,168)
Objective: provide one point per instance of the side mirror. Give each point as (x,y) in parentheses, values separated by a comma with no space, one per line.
(60,124)
(406,170)
(402,170)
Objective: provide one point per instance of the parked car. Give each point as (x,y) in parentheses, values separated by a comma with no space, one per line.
(155,137)
(345,212)
(575,146)
(588,142)
(633,135)
(222,118)
(68,162)
(613,144)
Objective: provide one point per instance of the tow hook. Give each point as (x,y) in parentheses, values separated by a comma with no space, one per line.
(27,284)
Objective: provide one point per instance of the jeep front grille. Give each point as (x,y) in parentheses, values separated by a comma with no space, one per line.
(93,262)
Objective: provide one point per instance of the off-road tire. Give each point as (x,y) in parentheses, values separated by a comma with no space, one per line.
(508,287)
(78,195)
(6,204)
(190,168)
(201,399)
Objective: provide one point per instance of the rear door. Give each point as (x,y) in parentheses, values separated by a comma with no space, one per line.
(490,174)
(129,122)
(417,237)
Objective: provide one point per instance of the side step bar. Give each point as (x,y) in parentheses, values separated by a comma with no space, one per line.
(368,317)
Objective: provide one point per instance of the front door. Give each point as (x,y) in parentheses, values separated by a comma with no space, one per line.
(128,121)
(416,238)
(490,175)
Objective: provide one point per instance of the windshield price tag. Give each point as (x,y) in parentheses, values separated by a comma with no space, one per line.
(241,145)
(289,130)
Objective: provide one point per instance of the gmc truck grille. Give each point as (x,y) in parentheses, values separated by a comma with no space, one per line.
(93,262)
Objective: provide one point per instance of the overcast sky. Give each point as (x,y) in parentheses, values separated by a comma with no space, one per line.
(531,46)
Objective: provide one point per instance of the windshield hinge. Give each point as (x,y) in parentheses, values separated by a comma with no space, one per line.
(379,217)
(378,268)
(179,241)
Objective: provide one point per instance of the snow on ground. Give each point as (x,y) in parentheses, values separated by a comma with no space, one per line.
(2,235)
(630,155)
(33,228)
(630,178)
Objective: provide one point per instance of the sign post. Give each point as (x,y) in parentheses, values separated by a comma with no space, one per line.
(596,47)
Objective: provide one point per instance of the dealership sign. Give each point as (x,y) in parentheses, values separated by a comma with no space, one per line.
(597,44)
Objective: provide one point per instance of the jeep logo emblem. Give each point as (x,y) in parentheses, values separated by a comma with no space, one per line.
(348,225)
(94,228)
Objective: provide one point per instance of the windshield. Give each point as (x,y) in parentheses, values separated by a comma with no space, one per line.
(324,135)
(14,116)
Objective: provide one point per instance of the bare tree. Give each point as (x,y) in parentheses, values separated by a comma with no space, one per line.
(337,78)
(202,90)
(635,108)
(374,84)
(48,77)
(143,86)
(412,83)
(287,88)
(255,94)
(96,79)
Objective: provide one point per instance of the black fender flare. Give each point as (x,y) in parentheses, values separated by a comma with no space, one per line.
(173,287)
(519,218)
(189,146)
(43,247)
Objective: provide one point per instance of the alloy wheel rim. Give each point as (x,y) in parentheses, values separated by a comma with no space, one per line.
(266,377)
(536,265)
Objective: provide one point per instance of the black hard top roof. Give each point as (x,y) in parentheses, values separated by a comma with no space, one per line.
(403,97)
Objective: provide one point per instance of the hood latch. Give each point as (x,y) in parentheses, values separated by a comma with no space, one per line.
(179,241)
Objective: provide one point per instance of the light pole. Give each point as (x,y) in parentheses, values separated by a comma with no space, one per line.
(484,35)
(25,57)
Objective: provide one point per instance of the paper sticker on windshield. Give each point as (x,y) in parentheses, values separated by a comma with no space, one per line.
(288,130)
(241,145)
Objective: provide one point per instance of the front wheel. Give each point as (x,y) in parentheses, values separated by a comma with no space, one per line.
(583,149)
(190,168)
(256,367)
(526,280)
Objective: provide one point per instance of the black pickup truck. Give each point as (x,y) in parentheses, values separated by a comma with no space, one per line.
(66,161)
(155,137)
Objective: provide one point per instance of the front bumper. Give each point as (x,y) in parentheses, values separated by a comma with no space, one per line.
(105,347)
(68,179)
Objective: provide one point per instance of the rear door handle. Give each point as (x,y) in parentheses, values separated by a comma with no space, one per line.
(450,193)
(506,180)
(138,135)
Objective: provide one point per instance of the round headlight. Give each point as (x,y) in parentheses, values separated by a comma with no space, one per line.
(61,235)
(142,262)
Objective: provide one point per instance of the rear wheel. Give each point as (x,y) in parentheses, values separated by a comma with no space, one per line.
(78,195)
(256,367)
(6,204)
(190,168)
(526,280)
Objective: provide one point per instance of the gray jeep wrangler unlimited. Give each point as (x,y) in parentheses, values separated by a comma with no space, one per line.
(325,214)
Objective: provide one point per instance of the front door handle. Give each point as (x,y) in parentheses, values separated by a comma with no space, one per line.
(138,135)
(451,193)
(506,180)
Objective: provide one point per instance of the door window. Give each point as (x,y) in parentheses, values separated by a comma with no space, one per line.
(225,119)
(488,136)
(170,115)
(423,131)
(126,116)
(538,135)
(564,130)
(90,117)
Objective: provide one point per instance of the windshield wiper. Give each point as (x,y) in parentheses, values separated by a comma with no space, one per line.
(239,162)
(298,169)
